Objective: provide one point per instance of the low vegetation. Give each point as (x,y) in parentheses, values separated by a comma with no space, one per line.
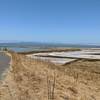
(31,79)
(51,50)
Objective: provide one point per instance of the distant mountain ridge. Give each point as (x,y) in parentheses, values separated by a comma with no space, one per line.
(8,41)
(44,45)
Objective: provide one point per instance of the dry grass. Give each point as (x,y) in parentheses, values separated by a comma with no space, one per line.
(52,50)
(30,79)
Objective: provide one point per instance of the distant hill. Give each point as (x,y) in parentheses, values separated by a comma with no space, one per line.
(47,45)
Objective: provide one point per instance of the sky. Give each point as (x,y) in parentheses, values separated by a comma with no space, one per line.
(54,21)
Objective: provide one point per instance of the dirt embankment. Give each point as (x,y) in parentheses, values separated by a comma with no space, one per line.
(30,79)
(51,50)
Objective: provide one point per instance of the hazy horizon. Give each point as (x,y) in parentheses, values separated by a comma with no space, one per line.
(35,42)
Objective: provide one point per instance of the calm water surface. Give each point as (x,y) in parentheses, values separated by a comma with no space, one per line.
(4,63)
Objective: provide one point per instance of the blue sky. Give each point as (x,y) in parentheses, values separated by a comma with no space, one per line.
(64,21)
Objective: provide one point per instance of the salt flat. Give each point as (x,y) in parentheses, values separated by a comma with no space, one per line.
(58,61)
(66,57)
(86,54)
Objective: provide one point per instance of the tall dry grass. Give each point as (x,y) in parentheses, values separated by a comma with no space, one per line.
(33,79)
